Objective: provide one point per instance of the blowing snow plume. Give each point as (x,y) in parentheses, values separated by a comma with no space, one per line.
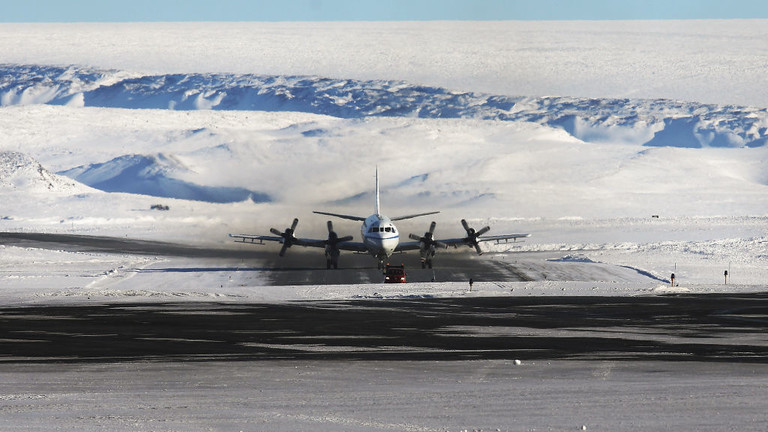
(656,122)
(155,175)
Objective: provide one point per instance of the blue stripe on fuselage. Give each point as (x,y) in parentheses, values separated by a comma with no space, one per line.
(382,238)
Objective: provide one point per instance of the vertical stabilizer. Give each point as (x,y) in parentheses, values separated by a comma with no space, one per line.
(376,209)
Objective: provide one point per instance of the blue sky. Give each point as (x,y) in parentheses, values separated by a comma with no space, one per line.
(372,10)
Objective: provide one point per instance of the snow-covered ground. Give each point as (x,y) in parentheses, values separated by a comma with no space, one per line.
(706,61)
(586,204)
(391,396)
(616,144)
(629,150)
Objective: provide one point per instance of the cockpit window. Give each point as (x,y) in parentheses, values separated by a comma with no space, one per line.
(389,229)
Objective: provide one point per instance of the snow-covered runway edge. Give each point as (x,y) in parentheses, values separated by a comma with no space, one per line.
(38,276)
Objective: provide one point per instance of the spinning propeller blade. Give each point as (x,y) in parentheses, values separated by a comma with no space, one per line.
(472,235)
(287,235)
(428,239)
(334,239)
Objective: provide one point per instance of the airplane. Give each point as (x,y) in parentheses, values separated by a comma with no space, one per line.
(381,237)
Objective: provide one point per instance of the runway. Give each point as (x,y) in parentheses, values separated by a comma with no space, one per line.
(690,327)
(656,362)
(721,328)
(300,266)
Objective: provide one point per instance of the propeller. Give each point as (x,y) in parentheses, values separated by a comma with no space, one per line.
(334,239)
(288,237)
(428,239)
(472,235)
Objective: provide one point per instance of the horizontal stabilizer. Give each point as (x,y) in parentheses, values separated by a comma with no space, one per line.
(413,216)
(354,218)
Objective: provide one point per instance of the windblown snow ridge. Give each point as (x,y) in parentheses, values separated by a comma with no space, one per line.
(657,122)
(156,175)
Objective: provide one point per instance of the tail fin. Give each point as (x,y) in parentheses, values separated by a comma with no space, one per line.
(377,204)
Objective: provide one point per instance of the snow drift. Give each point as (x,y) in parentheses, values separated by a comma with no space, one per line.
(656,122)
(155,175)
(19,171)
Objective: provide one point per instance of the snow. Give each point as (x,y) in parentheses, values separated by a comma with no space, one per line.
(412,396)
(154,175)
(570,194)
(653,122)
(579,174)
(709,61)
(20,172)
(630,151)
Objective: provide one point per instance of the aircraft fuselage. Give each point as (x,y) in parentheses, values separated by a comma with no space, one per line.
(380,236)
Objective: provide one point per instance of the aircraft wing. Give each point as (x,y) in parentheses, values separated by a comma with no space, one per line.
(353,246)
(497,238)
(256,239)
(406,246)
(342,245)
(306,242)
(502,237)
(260,239)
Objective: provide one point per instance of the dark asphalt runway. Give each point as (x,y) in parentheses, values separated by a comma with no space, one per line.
(300,266)
(82,243)
(728,328)
(681,327)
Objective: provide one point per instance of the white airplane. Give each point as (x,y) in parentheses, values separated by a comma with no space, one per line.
(380,237)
